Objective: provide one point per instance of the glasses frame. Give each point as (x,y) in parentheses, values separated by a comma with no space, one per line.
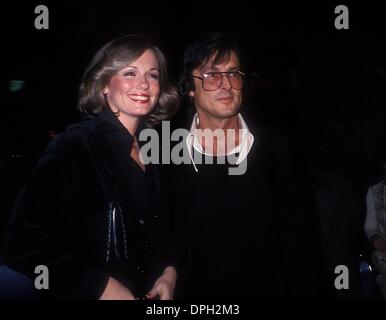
(222,73)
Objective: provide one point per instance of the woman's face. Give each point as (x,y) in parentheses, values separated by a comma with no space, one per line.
(134,90)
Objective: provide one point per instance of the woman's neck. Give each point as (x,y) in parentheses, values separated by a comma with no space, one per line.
(130,123)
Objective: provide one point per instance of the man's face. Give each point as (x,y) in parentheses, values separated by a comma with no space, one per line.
(223,102)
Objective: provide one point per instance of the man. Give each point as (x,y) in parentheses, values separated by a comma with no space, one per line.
(234,202)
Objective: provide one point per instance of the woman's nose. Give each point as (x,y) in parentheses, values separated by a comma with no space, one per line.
(143,82)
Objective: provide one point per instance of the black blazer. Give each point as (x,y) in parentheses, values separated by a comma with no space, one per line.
(88,212)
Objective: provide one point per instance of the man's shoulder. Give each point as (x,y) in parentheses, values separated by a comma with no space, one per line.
(270,138)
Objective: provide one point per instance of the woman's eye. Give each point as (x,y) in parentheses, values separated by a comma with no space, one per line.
(154,76)
(129,74)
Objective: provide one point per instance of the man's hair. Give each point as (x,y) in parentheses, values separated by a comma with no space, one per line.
(199,52)
(111,58)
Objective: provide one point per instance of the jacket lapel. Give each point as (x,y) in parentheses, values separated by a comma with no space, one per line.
(115,143)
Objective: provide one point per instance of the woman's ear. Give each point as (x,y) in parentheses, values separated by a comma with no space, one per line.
(106,90)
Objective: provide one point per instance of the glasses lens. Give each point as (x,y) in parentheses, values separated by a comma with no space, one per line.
(213,80)
(236,80)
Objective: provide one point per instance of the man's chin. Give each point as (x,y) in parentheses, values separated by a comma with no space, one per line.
(228,113)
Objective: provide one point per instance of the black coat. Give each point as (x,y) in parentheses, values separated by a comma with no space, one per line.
(89,212)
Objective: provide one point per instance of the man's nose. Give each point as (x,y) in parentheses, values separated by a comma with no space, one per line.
(226,83)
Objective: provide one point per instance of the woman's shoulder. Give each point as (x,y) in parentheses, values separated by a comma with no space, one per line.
(80,129)
(74,136)
(376,187)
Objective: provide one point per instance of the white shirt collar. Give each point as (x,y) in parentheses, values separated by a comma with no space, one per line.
(243,149)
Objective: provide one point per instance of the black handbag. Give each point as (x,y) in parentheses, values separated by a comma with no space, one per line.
(116,243)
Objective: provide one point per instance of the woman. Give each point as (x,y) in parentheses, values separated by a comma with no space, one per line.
(375,224)
(91,211)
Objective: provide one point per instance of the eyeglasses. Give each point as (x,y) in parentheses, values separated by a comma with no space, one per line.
(212,81)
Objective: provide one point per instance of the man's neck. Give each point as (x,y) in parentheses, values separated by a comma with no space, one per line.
(220,145)
(214,123)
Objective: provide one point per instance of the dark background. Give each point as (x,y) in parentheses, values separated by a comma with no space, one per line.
(321,87)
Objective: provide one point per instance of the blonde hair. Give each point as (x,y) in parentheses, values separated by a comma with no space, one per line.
(113,57)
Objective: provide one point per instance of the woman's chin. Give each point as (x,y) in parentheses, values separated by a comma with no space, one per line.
(140,111)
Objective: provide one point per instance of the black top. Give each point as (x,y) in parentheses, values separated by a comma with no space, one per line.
(242,234)
(89,212)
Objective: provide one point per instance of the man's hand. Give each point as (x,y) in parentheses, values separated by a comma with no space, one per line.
(164,286)
(380,244)
(116,291)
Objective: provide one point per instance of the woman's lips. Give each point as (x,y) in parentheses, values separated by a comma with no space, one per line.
(139,98)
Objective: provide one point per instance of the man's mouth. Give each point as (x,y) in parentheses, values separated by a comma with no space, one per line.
(225,99)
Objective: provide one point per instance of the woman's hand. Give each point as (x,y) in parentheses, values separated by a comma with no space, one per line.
(116,291)
(380,245)
(164,286)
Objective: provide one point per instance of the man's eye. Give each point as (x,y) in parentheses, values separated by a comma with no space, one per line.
(211,75)
(233,74)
